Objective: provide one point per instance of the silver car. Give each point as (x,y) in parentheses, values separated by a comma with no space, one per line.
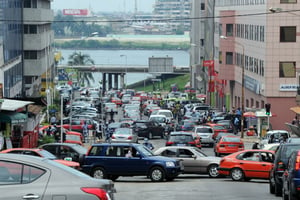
(194,160)
(205,133)
(30,177)
(124,135)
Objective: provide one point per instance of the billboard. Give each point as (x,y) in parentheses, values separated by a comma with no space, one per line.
(82,12)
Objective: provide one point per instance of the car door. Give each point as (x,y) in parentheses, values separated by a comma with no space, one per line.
(135,165)
(189,160)
(22,181)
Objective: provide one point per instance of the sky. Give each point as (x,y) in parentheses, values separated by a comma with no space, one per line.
(104,5)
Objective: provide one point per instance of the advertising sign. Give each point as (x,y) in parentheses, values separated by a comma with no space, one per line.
(82,12)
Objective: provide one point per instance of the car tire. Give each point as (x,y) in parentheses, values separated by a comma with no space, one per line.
(157,174)
(271,188)
(237,174)
(213,171)
(278,190)
(99,173)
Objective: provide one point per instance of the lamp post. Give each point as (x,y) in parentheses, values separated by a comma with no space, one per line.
(243,85)
(125,69)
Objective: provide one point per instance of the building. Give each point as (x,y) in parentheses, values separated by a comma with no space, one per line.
(11,49)
(38,54)
(256,43)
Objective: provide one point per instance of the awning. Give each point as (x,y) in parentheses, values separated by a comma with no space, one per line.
(13,117)
(295,109)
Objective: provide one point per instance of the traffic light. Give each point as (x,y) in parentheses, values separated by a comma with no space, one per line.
(268,108)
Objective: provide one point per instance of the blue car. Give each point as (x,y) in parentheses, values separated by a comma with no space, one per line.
(111,160)
(291,178)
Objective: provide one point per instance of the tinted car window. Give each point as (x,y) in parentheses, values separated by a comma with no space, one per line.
(181,138)
(169,153)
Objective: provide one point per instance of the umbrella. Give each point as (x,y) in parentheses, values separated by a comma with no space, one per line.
(249,114)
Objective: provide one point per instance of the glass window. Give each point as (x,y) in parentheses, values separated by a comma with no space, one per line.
(287,69)
(229,29)
(229,58)
(169,153)
(288,1)
(288,34)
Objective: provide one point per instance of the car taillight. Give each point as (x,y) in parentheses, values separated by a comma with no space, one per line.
(280,166)
(192,143)
(241,146)
(297,164)
(113,137)
(100,193)
(130,137)
(169,143)
(222,145)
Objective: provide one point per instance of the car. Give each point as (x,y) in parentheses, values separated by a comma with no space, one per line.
(31,177)
(148,128)
(228,144)
(291,178)
(116,100)
(108,107)
(247,164)
(68,151)
(217,129)
(124,135)
(77,125)
(272,146)
(194,160)
(228,124)
(182,138)
(186,125)
(293,140)
(74,137)
(282,155)
(274,136)
(205,133)
(165,112)
(111,160)
(41,153)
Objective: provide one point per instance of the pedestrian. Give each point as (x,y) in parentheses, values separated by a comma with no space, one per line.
(49,131)
(224,109)
(53,120)
(148,144)
(112,115)
(85,131)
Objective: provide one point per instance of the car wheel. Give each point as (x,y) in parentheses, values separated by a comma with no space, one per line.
(278,190)
(157,174)
(150,135)
(237,174)
(99,173)
(271,188)
(213,171)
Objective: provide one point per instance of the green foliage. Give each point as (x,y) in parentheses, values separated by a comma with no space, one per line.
(46,139)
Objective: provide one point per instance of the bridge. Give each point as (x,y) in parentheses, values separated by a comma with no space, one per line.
(121,70)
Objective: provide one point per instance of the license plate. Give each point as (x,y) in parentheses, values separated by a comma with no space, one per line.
(180,144)
(231,145)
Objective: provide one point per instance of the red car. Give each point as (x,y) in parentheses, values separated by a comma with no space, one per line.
(116,100)
(247,164)
(41,153)
(77,125)
(228,144)
(74,137)
(218,128)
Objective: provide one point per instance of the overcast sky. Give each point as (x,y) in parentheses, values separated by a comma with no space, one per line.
(104,5)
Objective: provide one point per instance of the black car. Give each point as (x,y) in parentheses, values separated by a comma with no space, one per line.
(181,138)
(148,129)
(186,125)
(66,150)
(228,124)
(282,155)
(291,177)
(111,160)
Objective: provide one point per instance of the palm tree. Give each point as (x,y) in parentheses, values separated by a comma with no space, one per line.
(82,59)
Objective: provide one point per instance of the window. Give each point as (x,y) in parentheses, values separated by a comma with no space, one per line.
(288,34)
(30,29)
(288,1)
(229,58)
(287,69)
(220,57)
(202,6)
(229,29)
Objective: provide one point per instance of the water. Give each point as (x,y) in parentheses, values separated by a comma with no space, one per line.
(129,57)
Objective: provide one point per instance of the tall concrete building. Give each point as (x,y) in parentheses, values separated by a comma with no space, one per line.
(256,49)
(38,37)
(11,46)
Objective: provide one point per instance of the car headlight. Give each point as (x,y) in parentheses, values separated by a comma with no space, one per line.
(170,164)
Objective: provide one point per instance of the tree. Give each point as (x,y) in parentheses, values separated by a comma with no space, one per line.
(77,58)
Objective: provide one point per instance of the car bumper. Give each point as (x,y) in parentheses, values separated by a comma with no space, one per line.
(224,171)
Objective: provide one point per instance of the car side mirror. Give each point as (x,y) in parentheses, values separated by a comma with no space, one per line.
(194,156)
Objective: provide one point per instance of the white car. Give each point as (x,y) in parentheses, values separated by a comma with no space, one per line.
(206,133)
(161,119)
(167,113)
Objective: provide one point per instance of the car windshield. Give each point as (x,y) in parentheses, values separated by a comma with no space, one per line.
(47,154)
(231,139)
(123,131)
(146,151)
(199,152)
(167,114)
(218,127)
(158,119)
(73,137)
(204,130)
(80,149)
(181,138)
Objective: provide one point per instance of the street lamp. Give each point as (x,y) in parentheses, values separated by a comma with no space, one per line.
(243,85)
(125,69)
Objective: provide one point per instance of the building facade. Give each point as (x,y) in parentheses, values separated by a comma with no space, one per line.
(38,54)
(255,43)
(11,49)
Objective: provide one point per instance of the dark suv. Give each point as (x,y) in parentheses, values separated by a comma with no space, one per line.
(148,129)
(111,160)
(291,178)
(282,155)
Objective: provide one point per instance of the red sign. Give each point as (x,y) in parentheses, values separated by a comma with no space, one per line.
(208,63)
(75,12)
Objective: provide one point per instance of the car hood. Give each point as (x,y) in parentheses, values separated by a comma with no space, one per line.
(214,159)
